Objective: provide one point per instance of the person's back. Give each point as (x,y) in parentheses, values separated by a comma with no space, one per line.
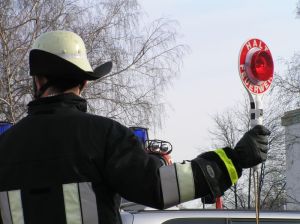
(56,151)
(62,163)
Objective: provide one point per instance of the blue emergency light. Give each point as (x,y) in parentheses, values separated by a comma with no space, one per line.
(140,133)
(4,126)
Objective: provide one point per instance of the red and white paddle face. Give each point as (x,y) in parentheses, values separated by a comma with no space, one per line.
(256,66)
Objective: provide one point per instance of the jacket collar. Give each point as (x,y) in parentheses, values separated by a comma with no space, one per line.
(52,104)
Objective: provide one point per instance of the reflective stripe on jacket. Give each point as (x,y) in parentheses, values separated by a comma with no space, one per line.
(63,165)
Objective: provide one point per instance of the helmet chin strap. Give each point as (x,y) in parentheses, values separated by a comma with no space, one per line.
(38,93)
(81,87)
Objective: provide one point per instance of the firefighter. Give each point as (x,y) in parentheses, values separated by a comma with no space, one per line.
(61,164)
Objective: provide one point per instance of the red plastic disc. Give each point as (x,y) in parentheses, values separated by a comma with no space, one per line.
(262,66)
(256,66)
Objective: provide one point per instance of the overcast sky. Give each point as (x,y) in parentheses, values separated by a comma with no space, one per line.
(209,82)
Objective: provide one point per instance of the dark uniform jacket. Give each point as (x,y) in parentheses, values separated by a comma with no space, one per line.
(63,165)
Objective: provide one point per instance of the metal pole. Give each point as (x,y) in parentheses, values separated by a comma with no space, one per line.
(249,189)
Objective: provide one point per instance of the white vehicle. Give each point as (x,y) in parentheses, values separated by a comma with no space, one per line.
(201,216)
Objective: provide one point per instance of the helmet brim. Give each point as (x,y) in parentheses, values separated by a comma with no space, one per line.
(43,63)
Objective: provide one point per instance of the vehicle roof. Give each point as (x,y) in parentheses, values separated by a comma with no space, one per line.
(164,215)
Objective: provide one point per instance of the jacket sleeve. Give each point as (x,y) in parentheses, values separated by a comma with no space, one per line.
(129,170)
(141,178)
(220,169)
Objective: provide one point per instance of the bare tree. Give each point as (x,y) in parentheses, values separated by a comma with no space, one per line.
(146,57)
(288,83)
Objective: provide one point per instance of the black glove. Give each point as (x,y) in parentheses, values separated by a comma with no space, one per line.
(253,147)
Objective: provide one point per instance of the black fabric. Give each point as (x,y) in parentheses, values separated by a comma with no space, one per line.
(216,173)
(208,199)
(40,205)
(201,185)
(57,104)
(47,64)
(59,143)
(214,176)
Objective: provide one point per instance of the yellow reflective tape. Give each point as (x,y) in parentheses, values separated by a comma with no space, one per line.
(229,165)
(185,181)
